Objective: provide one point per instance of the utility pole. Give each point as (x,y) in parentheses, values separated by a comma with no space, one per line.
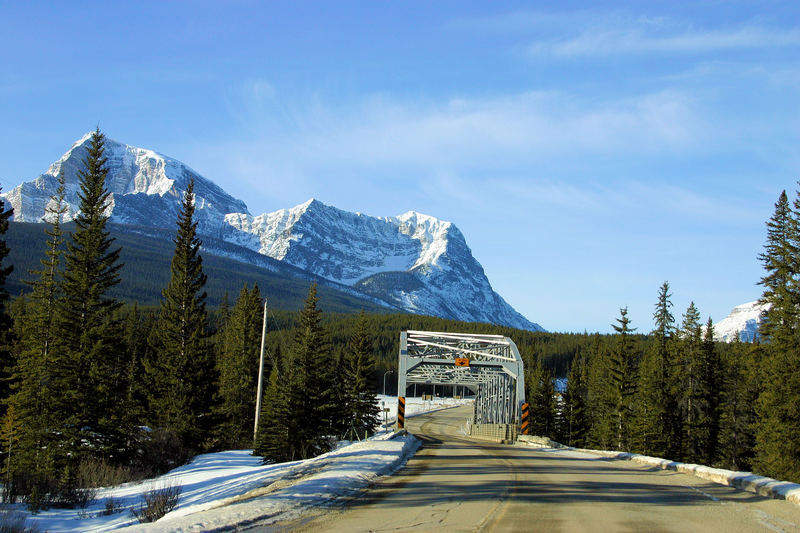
(260,371)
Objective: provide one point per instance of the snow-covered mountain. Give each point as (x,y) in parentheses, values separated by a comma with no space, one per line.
(412,261)
(146,188)
(744,320)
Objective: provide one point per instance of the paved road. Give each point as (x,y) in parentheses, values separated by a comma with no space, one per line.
(455,484)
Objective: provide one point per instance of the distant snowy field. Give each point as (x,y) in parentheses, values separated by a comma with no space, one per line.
(221,489)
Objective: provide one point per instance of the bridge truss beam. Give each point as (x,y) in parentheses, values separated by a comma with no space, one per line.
(488,365)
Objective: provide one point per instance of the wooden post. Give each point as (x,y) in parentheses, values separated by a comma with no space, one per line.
(260,372)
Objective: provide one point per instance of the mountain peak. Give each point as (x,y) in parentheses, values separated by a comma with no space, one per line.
(413,261)
(743,321)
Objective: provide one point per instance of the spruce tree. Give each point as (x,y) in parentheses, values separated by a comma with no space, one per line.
(778,422)
(273,441)
(655,417)
(621,380)
(709,391)
(237,367)
(310,407)
(575,398)
(6,360)
(737,407)
(688,367)
(88,328)
(540,394)
(600,397)
(360,408)
(36,374)
(181,366)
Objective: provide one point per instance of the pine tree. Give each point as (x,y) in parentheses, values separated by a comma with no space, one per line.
(9,438)
(621,379)
(778,422)
(655,417)
(36,373)
(88,327)
(600,397)
(737,408)
(273,441)
(575,398)
(688,368)
(237,367)
(311,411)
(540,394)
(709,393)
(6,360)
(181,366)
(360,408)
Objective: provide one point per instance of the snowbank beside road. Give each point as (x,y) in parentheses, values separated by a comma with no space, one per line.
(232,487)
(226,488)
(763,486)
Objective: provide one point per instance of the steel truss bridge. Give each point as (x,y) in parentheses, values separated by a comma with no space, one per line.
(488,365)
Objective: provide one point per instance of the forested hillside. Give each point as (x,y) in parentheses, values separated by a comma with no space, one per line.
(145,271)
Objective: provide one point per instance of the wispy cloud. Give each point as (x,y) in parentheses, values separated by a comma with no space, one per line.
(461,132)
(645,39)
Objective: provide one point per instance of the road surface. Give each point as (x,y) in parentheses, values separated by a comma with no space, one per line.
(457,484)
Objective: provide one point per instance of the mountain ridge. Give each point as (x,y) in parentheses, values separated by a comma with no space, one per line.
(414,262)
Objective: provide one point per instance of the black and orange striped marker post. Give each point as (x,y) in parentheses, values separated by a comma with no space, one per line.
(526,419)
(401,412)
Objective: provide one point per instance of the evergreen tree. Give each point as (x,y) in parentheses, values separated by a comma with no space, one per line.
(689,393)
(575,398)
(6,360)
(310,407)
(181,367)
(88,328)
(737,409)
(600,395)
(36,373)
(709,391)
(655,417)
(273,439)
(541,400)
(778,422)
(621,379)
(360,407)
(237,367)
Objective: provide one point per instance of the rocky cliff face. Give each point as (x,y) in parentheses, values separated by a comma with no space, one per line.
(145,186)
(412,261)
(743,320)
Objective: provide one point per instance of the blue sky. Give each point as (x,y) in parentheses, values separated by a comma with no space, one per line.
(588,152)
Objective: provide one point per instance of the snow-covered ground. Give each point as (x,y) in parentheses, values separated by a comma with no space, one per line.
(234,487)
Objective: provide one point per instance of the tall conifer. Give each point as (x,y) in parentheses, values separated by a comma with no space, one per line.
(621,379)
(89,329)
(36,376)
(181,366)
(273,440)
(737,408)
(237,367)
(311,408)
(688,368)
(575,412)
(6,360)
(361,409)
(655,409)
(778,422)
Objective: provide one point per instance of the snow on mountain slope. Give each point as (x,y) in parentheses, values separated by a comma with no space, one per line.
(146,188)
(744,320)
(412,261)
